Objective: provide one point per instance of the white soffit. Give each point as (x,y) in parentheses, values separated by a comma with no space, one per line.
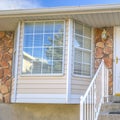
(95,16)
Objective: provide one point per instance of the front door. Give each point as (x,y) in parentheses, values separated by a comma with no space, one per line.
(116,79)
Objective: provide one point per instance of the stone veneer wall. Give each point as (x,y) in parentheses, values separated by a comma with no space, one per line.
(104,50)
(6,50)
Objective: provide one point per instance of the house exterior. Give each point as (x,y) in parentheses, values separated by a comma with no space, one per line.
(48,57)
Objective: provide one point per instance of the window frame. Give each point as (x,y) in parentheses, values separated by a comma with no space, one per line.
(64,47)
(82,49)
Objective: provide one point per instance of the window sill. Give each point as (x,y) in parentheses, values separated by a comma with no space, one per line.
(43,75)
(82,76)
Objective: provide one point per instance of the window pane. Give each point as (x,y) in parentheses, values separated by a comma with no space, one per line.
(58,39)
(39,27)
(48,53)
(28,28)
(87,31)
(28,40)
(48,39)
(47,67)
(49,27)
(78,42)
(58,53)
(86,57)
(57,66)
(86,70)
(36,67)
(59,27)
(27,64)
(87,43)
(38,40)
(27,52)
(78,55)
(37,53)
(43,47)
(78,28)
(77,68)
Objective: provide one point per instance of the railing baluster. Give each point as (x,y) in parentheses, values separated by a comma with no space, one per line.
(94,96)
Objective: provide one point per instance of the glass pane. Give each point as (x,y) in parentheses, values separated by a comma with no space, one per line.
(39,27)
(86,57)
(78,55)
(28,40)
(48,53)
(58,39)
(48,39)
(27,65)
(36,69)
(59,26)
(37,53)
(87,31)
(49,27)
(57,66)
(58,53)
(38,40)
(78,42)
(47,67)
(27,52)
(78,28)
(77,68)
(86,70)
(28,28)
(87,43)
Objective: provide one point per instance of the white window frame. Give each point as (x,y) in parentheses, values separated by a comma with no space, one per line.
(64,47)
(83,49)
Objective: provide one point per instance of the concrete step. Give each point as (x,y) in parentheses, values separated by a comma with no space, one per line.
(114,98)
(110,107)
(107,116)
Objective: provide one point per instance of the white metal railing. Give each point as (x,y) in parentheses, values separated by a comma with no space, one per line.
(93,98)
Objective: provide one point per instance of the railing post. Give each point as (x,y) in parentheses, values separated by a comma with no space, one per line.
(103,80)
(81,108)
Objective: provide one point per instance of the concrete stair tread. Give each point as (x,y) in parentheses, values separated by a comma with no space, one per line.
(110,110)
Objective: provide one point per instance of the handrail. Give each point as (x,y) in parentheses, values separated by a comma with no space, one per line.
(93,98)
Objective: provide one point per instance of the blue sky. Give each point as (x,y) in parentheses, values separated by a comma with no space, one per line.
(28,4)
(53,3)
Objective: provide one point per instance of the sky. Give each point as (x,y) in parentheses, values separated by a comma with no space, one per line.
(29,4)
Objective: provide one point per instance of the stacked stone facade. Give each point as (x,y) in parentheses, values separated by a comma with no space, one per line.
(104,50)
(6,52)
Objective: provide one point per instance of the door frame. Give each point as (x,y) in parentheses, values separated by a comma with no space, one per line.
(114,59)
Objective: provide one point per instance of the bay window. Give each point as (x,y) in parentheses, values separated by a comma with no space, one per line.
(43,47)
(82,50)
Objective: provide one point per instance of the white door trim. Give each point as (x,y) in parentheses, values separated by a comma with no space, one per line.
(114,55)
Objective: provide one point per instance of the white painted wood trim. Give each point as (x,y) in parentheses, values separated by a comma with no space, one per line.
(69,60)
(114,67)
(13,98)
(41,98)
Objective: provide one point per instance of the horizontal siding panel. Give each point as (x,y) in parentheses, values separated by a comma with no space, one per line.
(32,86)
(78,92)
(78,82)
(81,79)
(40,78)
(79,87)
(40,96)
(41,81)
(41,91)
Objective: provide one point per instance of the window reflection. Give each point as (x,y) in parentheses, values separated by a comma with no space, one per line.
(43,48)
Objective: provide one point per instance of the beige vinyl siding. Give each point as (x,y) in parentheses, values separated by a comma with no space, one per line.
(40,85)
(79,85)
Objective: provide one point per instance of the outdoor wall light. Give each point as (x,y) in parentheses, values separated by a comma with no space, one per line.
(104,35)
